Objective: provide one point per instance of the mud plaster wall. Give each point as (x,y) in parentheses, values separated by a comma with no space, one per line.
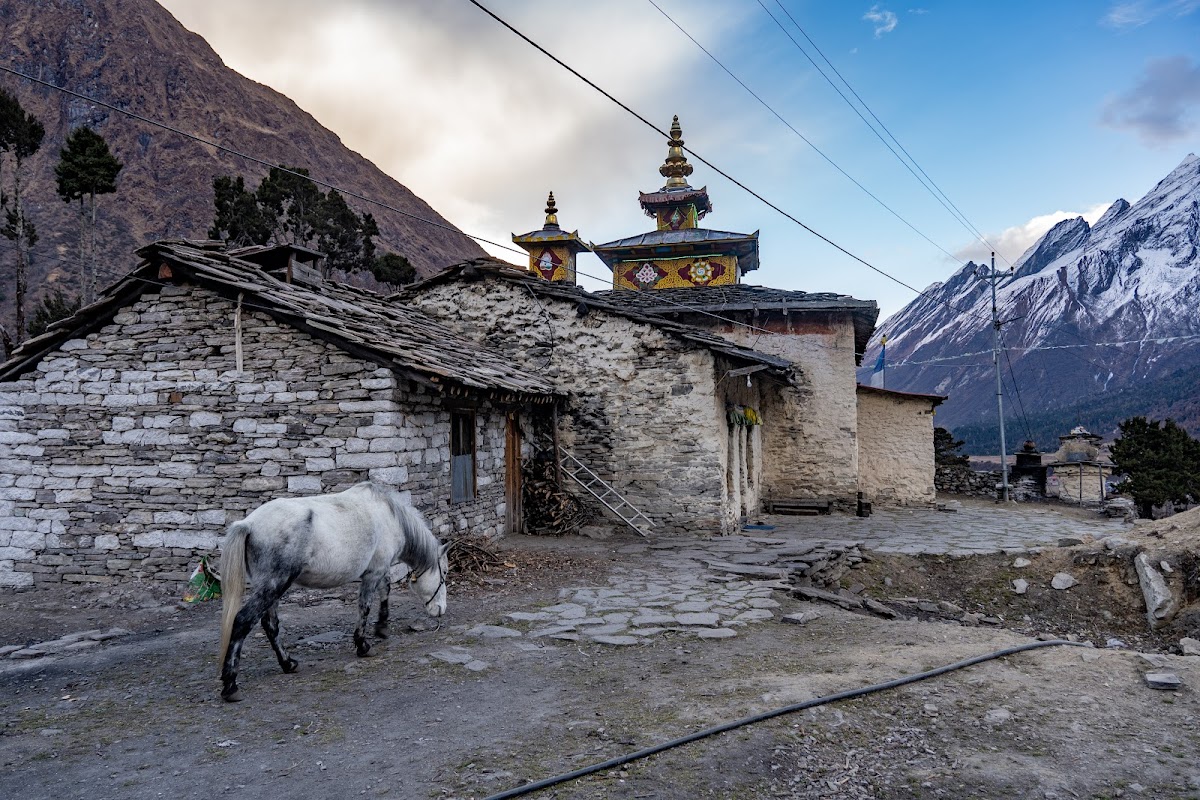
(809,433)
(644,411)
(895,439)
(127,454)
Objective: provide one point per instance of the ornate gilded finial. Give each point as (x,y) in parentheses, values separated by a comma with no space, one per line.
(676,168)
(551,212)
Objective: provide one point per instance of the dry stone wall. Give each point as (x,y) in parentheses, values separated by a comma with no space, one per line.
(645,412)
(127,454)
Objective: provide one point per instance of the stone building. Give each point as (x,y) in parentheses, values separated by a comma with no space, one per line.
(1078,472)
(816,454)
(690,274)
(201,385)
(664,412)
(895,446)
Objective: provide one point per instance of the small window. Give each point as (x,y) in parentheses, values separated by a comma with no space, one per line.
(462,456)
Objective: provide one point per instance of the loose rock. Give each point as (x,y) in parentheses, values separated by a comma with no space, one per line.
(1064,580)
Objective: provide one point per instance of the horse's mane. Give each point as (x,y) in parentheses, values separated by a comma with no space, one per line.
(421,547)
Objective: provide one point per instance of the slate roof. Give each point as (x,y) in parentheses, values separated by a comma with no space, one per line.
(360,322)
(722,300)
(482,267)
(745,244)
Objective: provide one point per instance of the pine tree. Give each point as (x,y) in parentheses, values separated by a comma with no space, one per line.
(394,269)
(1161,463)
(86,169)
(287,208)
(20,136)
(55,306)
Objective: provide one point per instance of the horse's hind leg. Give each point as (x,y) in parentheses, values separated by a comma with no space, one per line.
(270,624)
(263,597)
(381,624)
(366,595)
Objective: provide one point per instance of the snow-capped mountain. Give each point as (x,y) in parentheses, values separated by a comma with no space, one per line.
(1087,310)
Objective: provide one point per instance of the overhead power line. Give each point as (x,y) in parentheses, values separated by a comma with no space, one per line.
(802,137)
(923,178)
(701,159)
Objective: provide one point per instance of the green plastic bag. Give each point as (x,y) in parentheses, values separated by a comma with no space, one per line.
(204,583)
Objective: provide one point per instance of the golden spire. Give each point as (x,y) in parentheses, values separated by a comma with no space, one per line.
(551,212)
(676,168)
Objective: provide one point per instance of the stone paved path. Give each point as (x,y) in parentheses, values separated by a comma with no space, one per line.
(686,592)
(977,527)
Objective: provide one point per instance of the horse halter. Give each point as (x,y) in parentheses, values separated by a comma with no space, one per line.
(416,576)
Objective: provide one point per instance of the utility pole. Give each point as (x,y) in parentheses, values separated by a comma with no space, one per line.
(992,277)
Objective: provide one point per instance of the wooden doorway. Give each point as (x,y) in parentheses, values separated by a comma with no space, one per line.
(514,515)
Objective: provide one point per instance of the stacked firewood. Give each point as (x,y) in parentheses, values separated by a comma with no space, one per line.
(549,509)
(471,557)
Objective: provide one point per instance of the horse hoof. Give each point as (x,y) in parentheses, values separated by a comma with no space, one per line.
(291,666)
(364,651)
(232,697)
(381,631)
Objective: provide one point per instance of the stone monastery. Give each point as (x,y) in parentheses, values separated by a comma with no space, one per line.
(208,381)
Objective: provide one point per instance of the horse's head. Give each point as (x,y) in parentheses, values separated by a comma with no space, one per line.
(429,585)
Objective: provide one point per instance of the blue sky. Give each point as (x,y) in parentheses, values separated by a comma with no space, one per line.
(1022,112)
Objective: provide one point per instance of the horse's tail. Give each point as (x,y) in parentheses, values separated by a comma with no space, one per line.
(233,580)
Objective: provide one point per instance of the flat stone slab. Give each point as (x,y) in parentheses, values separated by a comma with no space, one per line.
(1163,680)
(528,616)
(693,606)
(492,632)
(653,619)
(453,656)
(754,615)
(716,633)
(829,597)
(328,637)
(747,569)
(476,666)
(706,619)
(553,630)
(617,641)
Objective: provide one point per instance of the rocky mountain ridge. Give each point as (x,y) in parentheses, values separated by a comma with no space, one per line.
(134,55)
(1088,310)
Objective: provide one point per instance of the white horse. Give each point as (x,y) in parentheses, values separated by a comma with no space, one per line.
(321,542)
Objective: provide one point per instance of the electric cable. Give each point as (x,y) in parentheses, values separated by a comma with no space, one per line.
(701,159)
(931,187)
(545,783)
(803,138)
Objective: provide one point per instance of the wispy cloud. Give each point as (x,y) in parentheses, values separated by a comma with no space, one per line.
(918,11)
(884,21)
(1163,105)
(1013,242)
(1135,13)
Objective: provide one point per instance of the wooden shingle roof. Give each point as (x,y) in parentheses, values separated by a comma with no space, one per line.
(395,336)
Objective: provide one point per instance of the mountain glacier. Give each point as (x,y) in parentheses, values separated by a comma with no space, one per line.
(1086,310)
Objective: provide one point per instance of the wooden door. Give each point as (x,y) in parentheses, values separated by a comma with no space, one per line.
(515,516)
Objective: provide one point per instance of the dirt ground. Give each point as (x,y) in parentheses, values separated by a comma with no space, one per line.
(139,715)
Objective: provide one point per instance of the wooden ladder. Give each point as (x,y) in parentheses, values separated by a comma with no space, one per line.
(598,488)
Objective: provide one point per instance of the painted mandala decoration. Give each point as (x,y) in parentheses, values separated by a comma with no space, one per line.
(702,272)
(648,275)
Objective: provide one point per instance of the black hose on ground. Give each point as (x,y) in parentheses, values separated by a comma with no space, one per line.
(545,783)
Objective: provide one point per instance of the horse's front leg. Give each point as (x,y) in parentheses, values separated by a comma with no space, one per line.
(366,594)
(270,624)
(381,624)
